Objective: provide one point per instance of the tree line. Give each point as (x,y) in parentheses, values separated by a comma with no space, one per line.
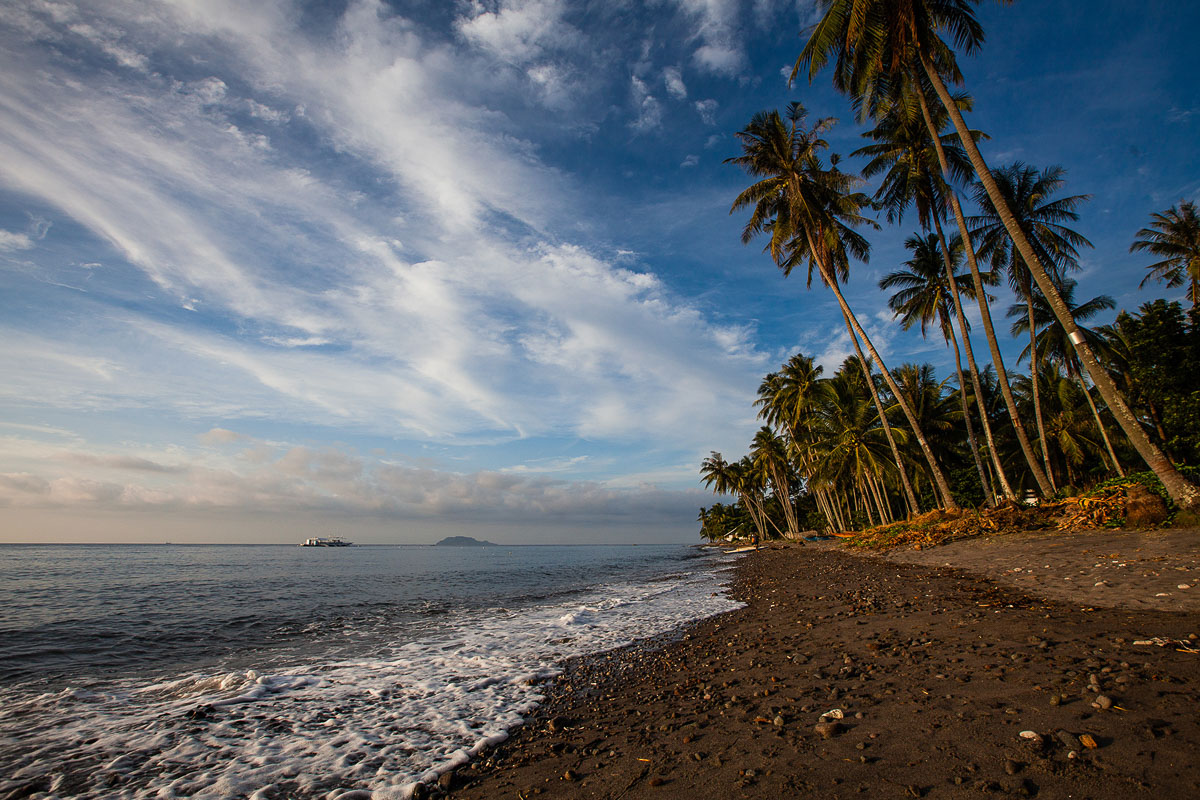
(869,444)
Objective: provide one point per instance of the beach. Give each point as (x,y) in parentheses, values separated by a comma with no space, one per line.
(941,672)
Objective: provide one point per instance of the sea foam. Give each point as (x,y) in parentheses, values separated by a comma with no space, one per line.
(334,729)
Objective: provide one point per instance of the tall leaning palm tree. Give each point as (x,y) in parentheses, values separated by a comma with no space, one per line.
(1175,236)
(809,212)
(922,295)
(1040,215)
(905,115)
(1051,342)
(874,44)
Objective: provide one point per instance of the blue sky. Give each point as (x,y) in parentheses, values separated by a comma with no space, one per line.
(400,270)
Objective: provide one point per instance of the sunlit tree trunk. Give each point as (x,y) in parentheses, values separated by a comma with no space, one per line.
(1034,372)
(936,471)
(984,308)
(1100,426)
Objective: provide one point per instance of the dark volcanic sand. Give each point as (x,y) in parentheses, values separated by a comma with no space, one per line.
(937,672)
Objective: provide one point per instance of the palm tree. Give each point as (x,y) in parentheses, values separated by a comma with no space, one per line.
(879,42)
(1051,343)
(1175,235)
(769,454)
(741,480)
(933,406)
(1028,193)
(904,149)
(853,452)
(923,295)
(808,211)
(788,400)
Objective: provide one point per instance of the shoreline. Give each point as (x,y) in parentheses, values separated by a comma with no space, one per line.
(898,644)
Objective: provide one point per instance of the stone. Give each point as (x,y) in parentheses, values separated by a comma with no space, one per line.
(1104,702)
(570,775)
(656,781)
(827,730)
(1068,740)
(445,781)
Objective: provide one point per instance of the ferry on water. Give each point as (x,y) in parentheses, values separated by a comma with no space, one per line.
(324,541)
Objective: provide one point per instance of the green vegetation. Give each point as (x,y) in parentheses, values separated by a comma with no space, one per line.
(876,447)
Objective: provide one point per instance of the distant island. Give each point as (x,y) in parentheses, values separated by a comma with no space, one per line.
(463,541)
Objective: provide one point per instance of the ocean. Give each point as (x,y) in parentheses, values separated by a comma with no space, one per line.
(271,671)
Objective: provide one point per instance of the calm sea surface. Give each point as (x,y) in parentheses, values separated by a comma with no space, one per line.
(278,671)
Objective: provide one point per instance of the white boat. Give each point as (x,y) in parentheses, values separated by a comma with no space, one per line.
(326,541)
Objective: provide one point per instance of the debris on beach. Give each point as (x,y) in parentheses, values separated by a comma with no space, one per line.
(1111,505)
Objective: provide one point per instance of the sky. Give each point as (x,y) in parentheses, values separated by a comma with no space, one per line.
(400,270)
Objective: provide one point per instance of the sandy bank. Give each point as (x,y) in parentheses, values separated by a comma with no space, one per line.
(936,671)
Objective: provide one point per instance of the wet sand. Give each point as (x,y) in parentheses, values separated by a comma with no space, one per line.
(934,673)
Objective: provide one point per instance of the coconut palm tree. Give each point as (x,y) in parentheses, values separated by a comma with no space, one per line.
(878,42)
(1029,194)
(934,407)
(769,454)
(853,451)
(923,295)
(1175,235)
(788,400)
(741,479)
(809,212)
(909,158)
(1052,344)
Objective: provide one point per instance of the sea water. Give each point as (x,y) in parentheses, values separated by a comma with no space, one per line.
(218,671)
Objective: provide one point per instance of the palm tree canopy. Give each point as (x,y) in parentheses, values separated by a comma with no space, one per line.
(1051,338)
(1028,194)
(808,210)
(923,291)
(1175,236)
(874,42)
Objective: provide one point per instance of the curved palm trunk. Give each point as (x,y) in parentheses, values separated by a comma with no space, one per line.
(1001,477)
(938,478)
(984,309)
(910,496)
(1033,380)
(1183,492)
(962,396)
(1100,426)
(785,500)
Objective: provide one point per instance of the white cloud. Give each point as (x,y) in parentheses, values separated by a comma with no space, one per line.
(14,241)
(707,110)
(690,161)
(519,31)
(716,29)
(646,107)
(673,79)
(448,308)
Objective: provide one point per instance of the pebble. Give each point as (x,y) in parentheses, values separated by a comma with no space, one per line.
(656,781)
(1183,586)
(570,775)
(1069,740)
(1103,702)
(827,730)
